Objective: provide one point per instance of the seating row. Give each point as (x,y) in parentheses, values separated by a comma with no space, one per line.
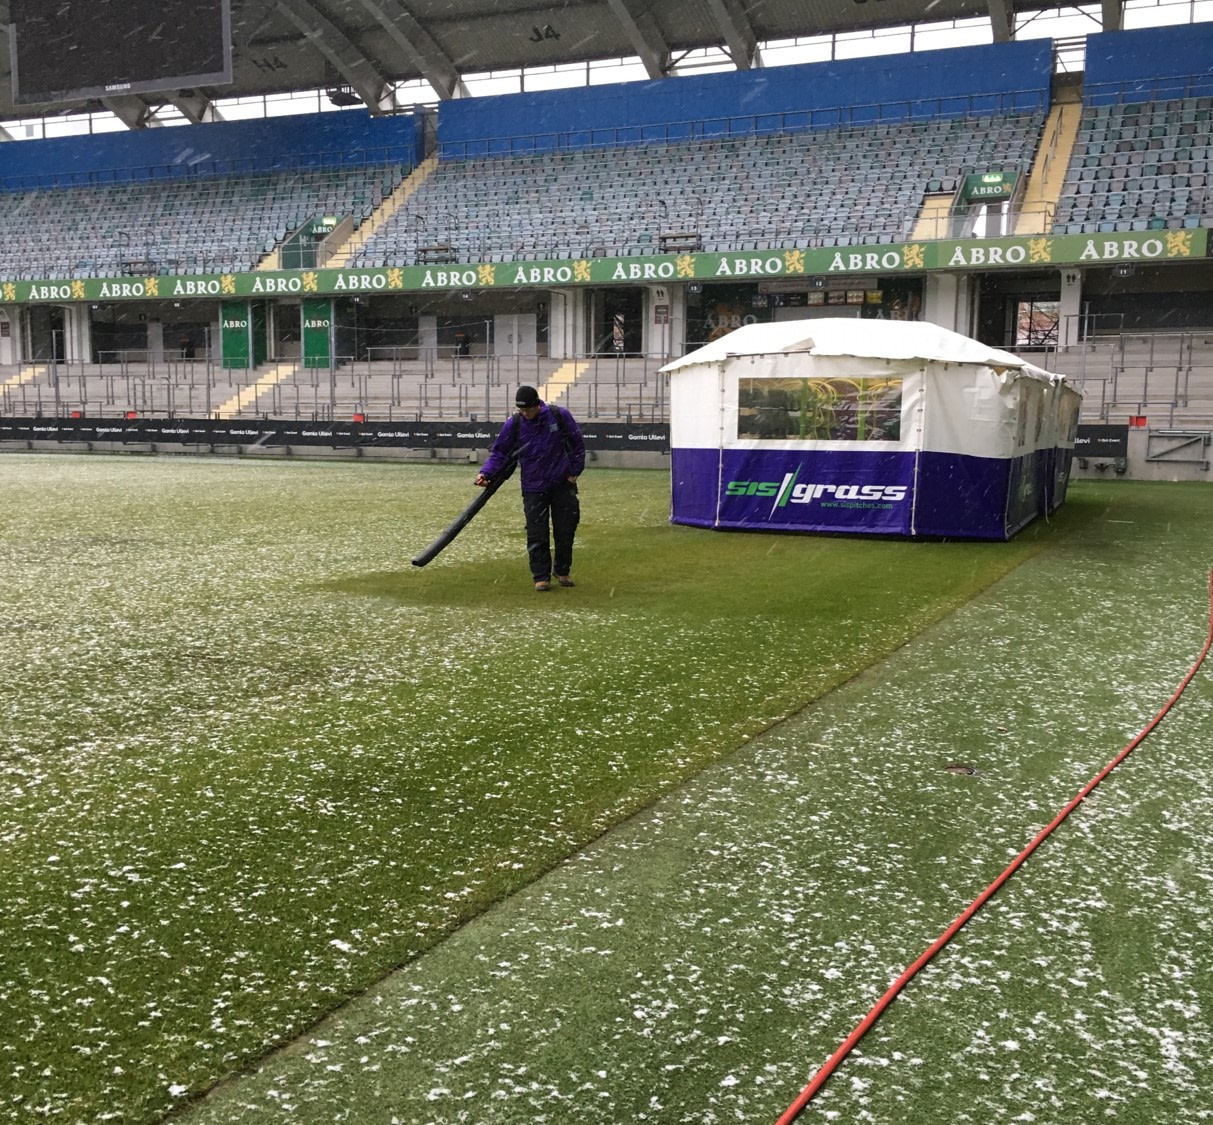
(813,187)
(1163,375)
(1135,167)
(229,224)
(1139,166)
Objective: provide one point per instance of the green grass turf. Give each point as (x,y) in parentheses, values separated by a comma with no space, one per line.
(251,760)
(699,962)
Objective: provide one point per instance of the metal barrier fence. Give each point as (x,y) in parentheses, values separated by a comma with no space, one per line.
(389,384)
(1166,375)
(334,161)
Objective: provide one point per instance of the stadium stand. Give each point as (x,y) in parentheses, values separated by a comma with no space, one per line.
(1164,376)
(595,388)
(1141,162)
(743,193)
(213,198)
(1140,167)
(790,157)
(773,161)
(196,225)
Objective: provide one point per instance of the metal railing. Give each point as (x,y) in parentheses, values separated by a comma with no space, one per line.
(740,125)
(217,167)
(1138,91)
(1165,375)
(389,384)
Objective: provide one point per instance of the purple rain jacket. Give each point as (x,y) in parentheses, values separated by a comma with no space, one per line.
(545,462)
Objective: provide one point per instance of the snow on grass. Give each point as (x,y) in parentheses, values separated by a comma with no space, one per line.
(718,947)
(251,761)
(271,761)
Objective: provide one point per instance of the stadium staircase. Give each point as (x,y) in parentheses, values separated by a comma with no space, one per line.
(1044,180)
(562,379)
(247,397)
(383,213)
(1048,174)
(12,389)
(609,388)
(934,217)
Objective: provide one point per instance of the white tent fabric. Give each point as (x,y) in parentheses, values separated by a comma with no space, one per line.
(888,339)
(872,426)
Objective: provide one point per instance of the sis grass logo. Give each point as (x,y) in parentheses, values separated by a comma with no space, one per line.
(790,491)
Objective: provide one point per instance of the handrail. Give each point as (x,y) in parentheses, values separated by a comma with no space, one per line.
(725,128)
(216,167)
(1160,377)
(1135,91)
(1050,147)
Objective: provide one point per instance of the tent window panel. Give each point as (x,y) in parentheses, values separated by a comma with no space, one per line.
(1067,422)
(1021,422)
(858,409)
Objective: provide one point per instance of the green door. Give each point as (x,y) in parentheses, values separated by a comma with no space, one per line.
(236,334)
(317,317)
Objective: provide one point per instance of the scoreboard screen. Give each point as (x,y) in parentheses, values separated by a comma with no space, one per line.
(74,50)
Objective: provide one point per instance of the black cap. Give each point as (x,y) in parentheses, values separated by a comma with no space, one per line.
(526,396)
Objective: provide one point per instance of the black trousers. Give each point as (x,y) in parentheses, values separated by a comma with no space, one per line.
(560,508)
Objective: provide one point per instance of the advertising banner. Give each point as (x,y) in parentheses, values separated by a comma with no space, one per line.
(896,493)
(795,490)
(1027,251)
(1094,440)
(992,186)
(1026,479)
(651,437)
(966,497)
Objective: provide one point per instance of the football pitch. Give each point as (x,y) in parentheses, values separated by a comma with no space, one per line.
(558,857)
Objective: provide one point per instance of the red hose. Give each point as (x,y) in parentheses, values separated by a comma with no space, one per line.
(832,1063)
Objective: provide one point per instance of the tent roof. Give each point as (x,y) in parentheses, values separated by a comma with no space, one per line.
(881,339)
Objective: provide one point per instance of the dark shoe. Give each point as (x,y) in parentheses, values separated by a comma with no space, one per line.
(542,587)
(565,580)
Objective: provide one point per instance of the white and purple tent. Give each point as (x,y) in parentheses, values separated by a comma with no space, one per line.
(867,426)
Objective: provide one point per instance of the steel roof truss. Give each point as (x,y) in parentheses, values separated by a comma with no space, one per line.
(131,110)
(1002,20)
(644,35)
(335,45)
(196,107)
(739,37)
(417,46)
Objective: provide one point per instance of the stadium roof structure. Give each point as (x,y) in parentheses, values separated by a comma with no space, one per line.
(361,50)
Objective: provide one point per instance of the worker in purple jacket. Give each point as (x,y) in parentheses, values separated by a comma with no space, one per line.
(551,454)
